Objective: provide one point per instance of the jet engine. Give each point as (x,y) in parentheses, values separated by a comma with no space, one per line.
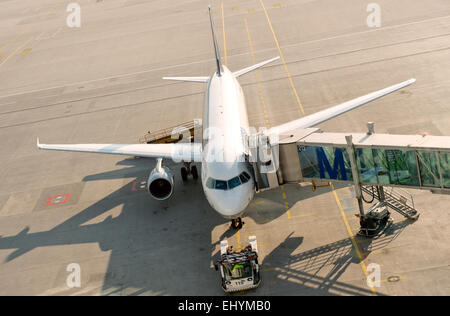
(160,182)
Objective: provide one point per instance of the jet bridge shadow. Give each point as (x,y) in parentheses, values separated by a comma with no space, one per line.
(317,271)
(270,205)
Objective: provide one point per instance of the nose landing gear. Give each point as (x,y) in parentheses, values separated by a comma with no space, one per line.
(237,223)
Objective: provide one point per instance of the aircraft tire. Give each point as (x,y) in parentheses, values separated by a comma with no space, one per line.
(194,172)
(184,174)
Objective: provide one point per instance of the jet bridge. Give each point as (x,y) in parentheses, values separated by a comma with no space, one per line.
(409,161)
(369,160)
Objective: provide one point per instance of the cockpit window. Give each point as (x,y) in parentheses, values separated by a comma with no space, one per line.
(234,182)
(244,176)
(211,183)
(221,185)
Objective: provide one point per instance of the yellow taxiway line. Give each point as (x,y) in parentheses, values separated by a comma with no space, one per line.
(352,238)
(283,60)
(224,37)
(16,50)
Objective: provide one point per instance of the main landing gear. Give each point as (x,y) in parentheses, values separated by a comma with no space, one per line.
(237,223)
(188,170)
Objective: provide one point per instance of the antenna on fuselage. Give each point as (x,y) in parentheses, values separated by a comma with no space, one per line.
(216,49)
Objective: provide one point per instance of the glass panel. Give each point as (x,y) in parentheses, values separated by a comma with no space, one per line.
(234,182)
(246,175)
(243,178)
(367,170)
(325,162)
(396,167)
(407,172)
(445,168)
(308,161)
(221,185)
(382,166)
(428,168)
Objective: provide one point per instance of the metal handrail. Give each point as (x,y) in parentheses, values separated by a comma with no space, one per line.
(401,194)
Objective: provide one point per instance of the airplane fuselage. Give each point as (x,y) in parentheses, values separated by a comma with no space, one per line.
(226,176)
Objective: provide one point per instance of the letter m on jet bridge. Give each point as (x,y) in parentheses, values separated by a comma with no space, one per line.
(325,165)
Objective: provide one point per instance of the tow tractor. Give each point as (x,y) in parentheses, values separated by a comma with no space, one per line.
(239,269)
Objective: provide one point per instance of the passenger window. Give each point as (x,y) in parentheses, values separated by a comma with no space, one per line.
(210,183)
(221,185)
(234,182)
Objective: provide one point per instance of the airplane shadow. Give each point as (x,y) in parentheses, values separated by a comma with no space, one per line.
(161,248)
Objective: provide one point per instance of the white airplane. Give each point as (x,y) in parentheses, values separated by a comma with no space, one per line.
(228,182)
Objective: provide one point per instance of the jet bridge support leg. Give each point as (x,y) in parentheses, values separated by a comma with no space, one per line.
(377,218)
(351,151)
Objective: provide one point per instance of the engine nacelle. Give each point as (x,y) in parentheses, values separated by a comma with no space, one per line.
(160,182)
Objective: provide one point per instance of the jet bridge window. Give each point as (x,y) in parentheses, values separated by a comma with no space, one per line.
(391,166)
(429,171)
(325,162)
(445,168)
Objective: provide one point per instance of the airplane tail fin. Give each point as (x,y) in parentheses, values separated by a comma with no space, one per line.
(218,62)
(216,48)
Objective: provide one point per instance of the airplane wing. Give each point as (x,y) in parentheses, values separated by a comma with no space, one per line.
(177,152)
(325,115)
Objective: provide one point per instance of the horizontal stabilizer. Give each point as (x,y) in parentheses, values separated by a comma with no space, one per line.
(251,68)
(189,79)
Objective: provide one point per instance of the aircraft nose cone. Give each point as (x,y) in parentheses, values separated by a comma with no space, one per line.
(231,209)
(230,204)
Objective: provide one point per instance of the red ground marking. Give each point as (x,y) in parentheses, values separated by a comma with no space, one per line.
(140,185)
(58,199)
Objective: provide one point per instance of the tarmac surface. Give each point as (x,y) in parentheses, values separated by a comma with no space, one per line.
(101,83)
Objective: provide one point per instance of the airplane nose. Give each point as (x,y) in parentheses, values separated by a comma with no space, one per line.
(231,209)
(229,204)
